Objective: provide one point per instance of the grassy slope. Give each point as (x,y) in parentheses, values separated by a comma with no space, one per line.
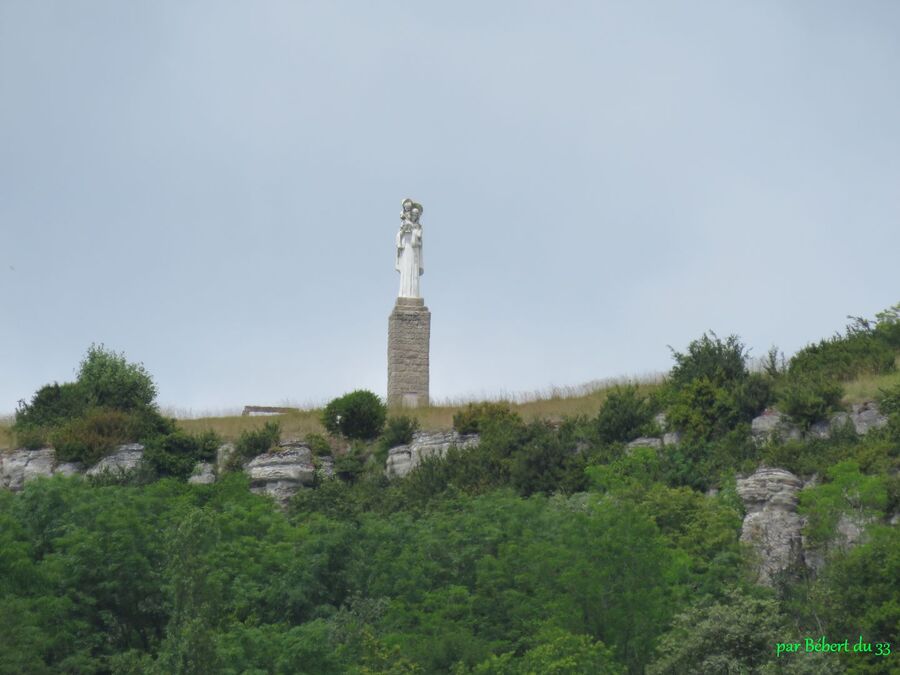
(553,405)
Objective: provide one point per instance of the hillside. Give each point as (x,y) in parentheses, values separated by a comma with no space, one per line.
(721,520)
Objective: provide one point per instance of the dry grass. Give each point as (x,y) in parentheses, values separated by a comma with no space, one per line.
(5,433)
(553,404)
(866,387)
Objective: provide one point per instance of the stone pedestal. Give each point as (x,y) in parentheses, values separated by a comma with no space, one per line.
(409,334)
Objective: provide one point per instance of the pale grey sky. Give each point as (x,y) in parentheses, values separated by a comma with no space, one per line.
(214,187)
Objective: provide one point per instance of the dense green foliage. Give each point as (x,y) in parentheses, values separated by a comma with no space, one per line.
(710,389)
(255,442)
(358,415)
(625,415)
(548,548)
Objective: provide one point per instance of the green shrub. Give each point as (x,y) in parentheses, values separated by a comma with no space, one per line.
(702,411)
(887,325)
(31,438)
(177,453)
(88,438)
(399,430)
(476,416)
(108,380)
(358,415)
(319,445)
(349,466)
(625,415)
(255,442)
(710,389)
(864,348)
(889,400)
(52,405)
(720,361)
(809,399)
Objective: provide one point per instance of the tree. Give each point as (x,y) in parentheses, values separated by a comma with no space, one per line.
(359,415)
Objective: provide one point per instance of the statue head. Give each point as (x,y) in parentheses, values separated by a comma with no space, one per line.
(407,205)
(415,212)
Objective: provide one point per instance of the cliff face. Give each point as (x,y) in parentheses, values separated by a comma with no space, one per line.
(279,474)
(772,526)
(404,458)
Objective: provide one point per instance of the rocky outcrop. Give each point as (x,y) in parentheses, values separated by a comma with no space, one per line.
(404,458)
(281,473)
(866,417)
(21,466)
(773,425)
(124,460)
(644,442)
(203,474)
(772,526)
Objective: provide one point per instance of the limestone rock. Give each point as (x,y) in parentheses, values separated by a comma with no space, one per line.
(848,532)
(866,416)
(644,442)
(204,474)
(282,473)
(125,459)
(661,421)
(404,458)
(21,466)
(324,466)
(772,526)
(671,438)
(772,424)
(223,454)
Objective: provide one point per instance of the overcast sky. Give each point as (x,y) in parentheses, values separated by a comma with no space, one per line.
(213,188)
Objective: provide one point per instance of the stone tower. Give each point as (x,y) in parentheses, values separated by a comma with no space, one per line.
(409,334)
(409,326)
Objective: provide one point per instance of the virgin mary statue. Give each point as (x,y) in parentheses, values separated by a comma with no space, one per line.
(409,250)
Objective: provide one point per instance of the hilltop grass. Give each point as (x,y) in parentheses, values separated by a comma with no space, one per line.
(553,404)
(6,435)
(866,387)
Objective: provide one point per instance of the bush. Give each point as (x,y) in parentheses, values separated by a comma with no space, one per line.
(703,411)
(88,438)
(809,399)
(864,348)
(399,431)
(720,362)
(625,415)
(889,400)
(476,416)
(319,445)
(52,405)
(255,442)
(358,415)
(108,380)
(177,453)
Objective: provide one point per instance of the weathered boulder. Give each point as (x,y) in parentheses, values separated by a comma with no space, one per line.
(866,416)
(644,442)
(404,458)
(671,437)
(281,473)
(223,454)
(324,466)
(21,466)
(772,526)
(125,459)
(773,425)
(848,532)
(204,473)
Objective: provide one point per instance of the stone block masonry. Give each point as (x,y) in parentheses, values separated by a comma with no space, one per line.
(409,335)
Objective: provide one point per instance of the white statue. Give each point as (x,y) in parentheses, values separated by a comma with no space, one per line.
(409,250)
